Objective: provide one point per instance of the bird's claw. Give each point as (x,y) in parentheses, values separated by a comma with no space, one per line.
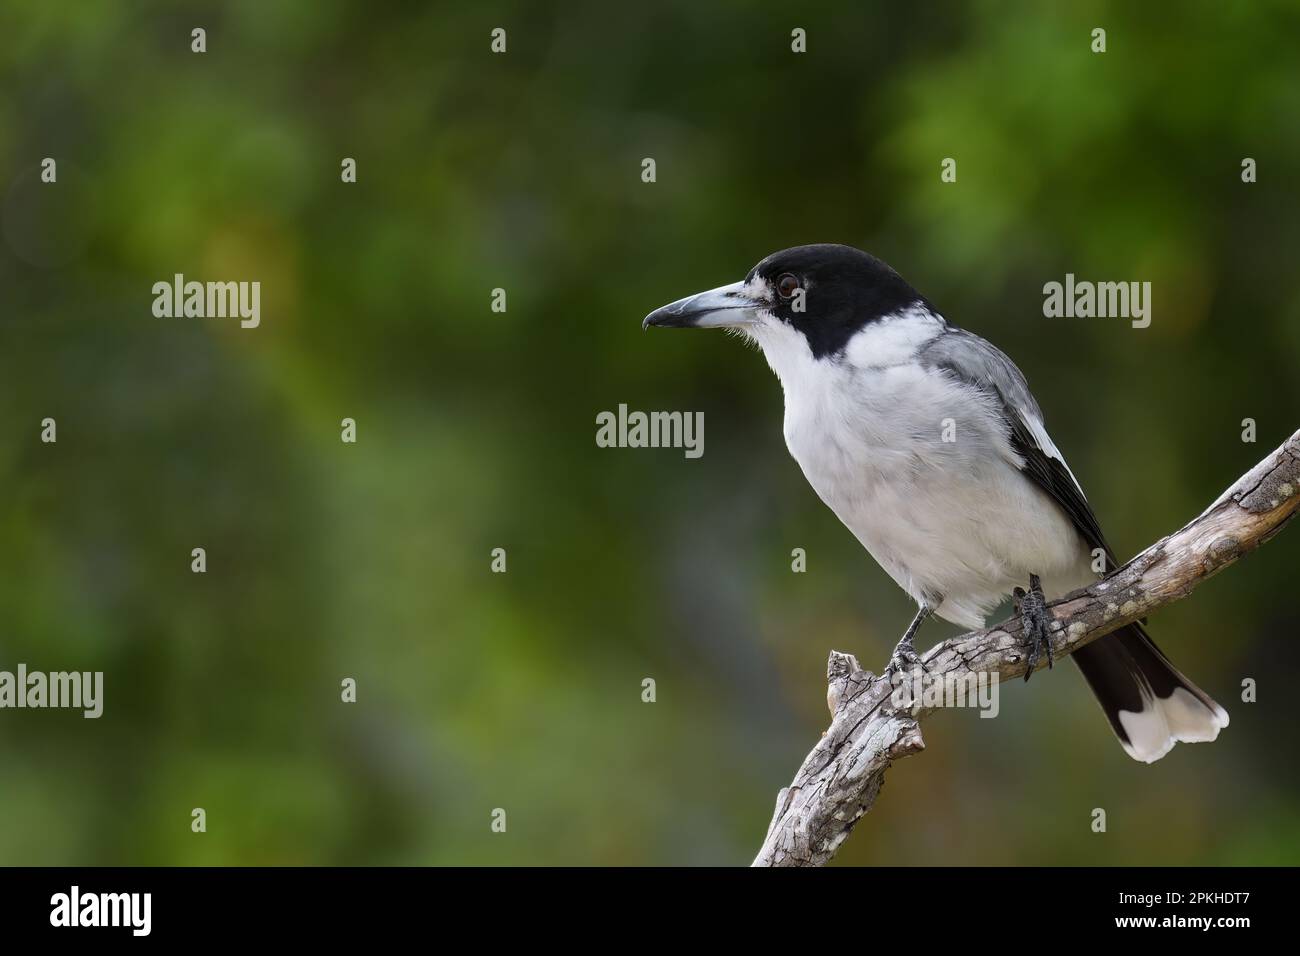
(1032,607)
(904,660)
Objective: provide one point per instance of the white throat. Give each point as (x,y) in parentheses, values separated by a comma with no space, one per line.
(892,340)
(786,351)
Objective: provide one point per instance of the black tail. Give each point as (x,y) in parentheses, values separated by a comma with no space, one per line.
(1150,705)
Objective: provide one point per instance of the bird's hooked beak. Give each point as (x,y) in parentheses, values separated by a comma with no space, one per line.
(726,307)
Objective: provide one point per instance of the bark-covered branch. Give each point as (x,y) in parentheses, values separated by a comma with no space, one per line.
(840,779)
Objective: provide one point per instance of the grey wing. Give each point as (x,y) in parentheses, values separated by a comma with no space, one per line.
(978,363)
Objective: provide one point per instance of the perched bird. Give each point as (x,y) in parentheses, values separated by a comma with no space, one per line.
(926,442)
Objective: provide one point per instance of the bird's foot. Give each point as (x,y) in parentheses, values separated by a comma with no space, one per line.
(1032,608)
(904,660)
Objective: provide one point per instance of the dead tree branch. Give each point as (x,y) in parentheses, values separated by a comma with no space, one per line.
(841,778)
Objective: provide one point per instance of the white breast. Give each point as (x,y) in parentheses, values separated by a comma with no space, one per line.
(947,519)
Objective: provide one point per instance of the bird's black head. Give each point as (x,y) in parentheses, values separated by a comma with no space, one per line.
(826,292)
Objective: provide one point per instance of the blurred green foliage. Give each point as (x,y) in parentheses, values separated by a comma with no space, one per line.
(476,429)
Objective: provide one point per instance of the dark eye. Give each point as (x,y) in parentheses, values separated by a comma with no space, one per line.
(787,285)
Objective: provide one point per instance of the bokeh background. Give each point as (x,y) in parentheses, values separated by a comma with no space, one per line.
(476,429)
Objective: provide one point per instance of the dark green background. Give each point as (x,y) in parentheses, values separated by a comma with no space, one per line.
(476,429)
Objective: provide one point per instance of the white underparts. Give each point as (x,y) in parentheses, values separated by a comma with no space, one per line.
(919,467)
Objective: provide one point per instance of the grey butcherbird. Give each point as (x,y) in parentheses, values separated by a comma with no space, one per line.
(926,442)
